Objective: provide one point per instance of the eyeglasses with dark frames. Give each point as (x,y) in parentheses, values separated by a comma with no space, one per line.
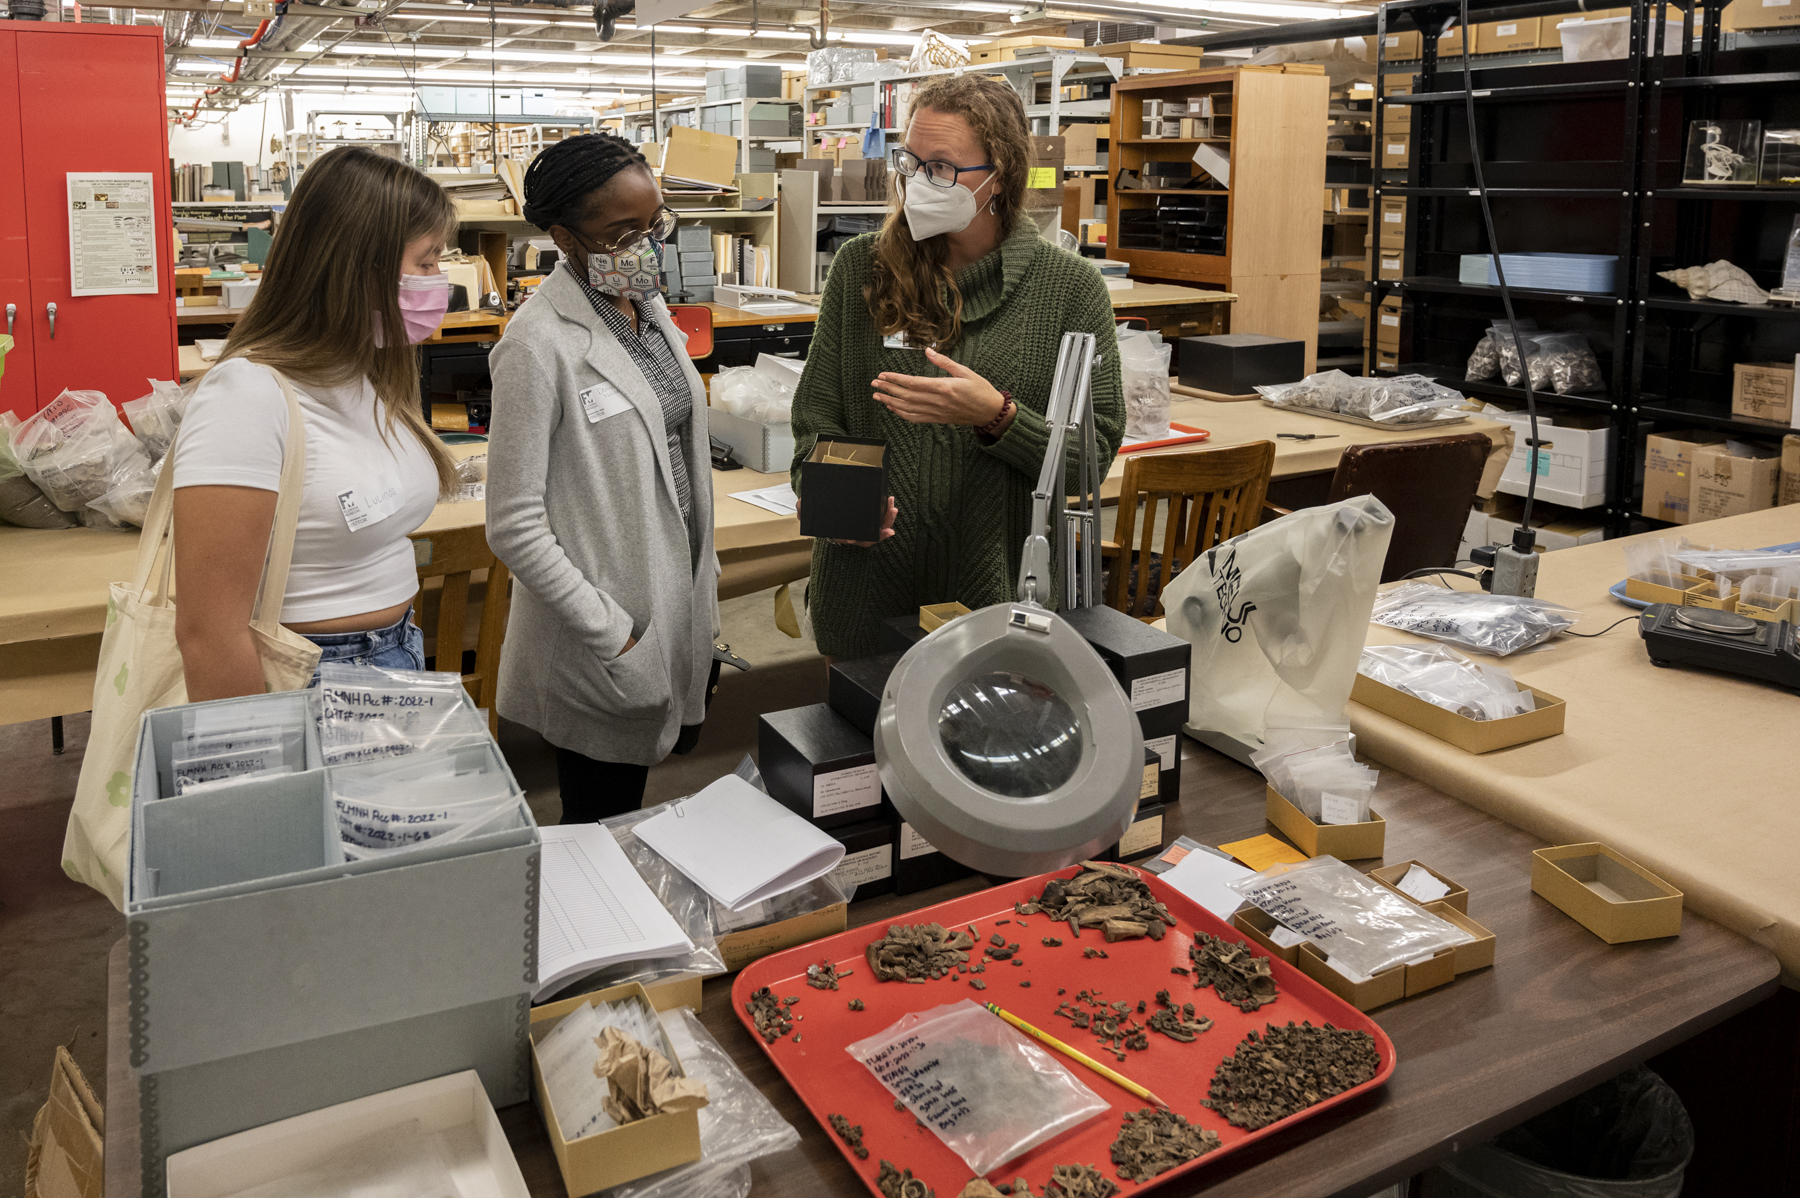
(936,172)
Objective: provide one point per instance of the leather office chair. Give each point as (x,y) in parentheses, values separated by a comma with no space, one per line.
(1427,484)
(1212,495)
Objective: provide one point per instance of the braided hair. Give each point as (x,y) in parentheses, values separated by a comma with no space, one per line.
(559,180)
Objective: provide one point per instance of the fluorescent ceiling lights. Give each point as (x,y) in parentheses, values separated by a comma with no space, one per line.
(614,58)
(1256,8)
(479,77)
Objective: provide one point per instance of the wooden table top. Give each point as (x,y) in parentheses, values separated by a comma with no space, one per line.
(1139,295)
(1559,1011)
(212,315)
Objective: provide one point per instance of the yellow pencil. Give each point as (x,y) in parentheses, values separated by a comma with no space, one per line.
(1043,1037)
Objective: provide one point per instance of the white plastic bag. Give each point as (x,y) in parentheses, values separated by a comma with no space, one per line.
(1144,375)
(753,394)
(155,417)
(1351,918)
(935,52)
(982,1087)
(1474,620)
(76,449)
(1278,616)
(1445,678)
(21,502)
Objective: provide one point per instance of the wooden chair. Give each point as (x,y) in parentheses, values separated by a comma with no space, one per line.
(455,556)
(1212,496)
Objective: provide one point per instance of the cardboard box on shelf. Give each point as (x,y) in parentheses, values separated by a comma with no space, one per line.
(1389,265)
(1344,841)
(1472,736)
(1728,483)
(1790,469)
(1571,463)
(1661,588)
(1043,177)
(1400,47)
(1503,37)
(1450,45)
(1610,895)
(1155,56)
(1081,143)
(1760,14)
(1393,223)
(1005,49)
(700,157)
(1669,472)
(1396,148)
(1387,360)
(1759,390)
(1387,323)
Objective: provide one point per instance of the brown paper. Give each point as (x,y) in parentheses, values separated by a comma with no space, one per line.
(642,1081)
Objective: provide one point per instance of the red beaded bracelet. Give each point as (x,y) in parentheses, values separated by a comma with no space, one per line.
(1006,407)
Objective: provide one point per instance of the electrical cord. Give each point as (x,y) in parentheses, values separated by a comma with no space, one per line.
(1439,571)
(1512,324)
(1603,631)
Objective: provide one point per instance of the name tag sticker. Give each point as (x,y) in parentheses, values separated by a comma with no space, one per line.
(603,400)
(371,506)
(896,341)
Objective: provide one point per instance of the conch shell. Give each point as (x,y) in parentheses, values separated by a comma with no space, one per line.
(1719,281)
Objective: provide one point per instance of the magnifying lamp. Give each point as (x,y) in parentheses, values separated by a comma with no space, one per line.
(1002,737)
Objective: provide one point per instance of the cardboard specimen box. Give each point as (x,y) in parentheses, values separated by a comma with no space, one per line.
(1502,37)
(819,765)
(1259,927)
(1473,736)
(1661,588)
(454,1110)
(844,489)
(1669,472)
(934,616)
(697,156)
(868,857)
(1387,323)
(1790,469)
(739,948)
(1610,895)
(1347,842)
(1727,484)
(1390,985)
(1390,875)
(1706,594)
(1763,391)
(622,1153)
(1393,223)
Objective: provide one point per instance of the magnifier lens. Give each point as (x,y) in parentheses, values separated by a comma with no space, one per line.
(1010,734)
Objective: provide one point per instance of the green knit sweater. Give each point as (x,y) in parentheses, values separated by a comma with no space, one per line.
(965,506)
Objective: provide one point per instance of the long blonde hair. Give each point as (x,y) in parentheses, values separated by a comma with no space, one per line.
(912,291)
(333,275)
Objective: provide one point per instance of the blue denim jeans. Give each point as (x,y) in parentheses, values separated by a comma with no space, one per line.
(399,646)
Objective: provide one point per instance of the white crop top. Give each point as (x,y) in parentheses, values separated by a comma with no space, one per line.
(233,435)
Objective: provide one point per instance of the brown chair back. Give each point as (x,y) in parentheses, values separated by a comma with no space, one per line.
(1212,496)
(1428,486)
(456,555)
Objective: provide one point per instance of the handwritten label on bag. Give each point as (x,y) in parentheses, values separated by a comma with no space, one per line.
(906,1068)
(1156,690)
(1336,809)
(846,790)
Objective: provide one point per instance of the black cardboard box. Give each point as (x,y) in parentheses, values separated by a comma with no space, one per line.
(820,766)
(1144,837)
(1162,736)
(918,866)
(900,633)
(844,489)
(854,689)
(1152,665)
(868,857)
(1233,363)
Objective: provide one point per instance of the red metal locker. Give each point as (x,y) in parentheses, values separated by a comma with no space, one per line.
(91,98)
(18,390)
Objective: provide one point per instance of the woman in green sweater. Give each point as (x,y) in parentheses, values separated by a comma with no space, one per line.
(939,335)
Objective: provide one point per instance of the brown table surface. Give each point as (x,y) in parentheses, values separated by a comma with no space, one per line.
(1558,1012)
(213,314)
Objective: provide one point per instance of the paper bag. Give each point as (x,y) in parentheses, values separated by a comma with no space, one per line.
(1277,618)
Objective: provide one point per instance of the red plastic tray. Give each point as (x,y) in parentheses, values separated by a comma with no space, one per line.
(830,1082)
(1180,434)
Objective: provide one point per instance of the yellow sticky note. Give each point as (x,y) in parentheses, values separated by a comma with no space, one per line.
(1040,177)
(1260,852)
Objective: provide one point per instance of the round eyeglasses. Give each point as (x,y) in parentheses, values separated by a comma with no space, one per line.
(662,227)
(937,173)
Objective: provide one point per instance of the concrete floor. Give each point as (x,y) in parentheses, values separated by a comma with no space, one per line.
(55,933)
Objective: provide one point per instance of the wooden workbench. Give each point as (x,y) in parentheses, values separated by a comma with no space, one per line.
(1559,1011)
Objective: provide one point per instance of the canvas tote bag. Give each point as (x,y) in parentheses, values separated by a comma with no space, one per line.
(140,665)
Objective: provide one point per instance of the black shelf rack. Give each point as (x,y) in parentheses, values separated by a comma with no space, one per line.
(1586,158)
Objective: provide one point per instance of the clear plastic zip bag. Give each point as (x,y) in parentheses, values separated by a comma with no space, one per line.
(1445,678)
(1473,620)
(981,1086)
(1358,923)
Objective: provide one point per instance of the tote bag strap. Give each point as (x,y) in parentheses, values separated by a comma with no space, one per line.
(156,546)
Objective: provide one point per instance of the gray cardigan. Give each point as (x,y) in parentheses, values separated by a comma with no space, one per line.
(585,516)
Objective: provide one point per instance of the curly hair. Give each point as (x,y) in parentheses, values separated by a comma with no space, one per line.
(912,290)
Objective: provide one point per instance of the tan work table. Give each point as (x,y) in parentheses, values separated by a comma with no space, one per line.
(1688,772)
(1559,1011)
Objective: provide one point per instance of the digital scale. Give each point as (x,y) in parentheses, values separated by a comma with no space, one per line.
(1721,640)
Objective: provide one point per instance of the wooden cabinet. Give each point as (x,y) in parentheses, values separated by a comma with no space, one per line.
(1270,122)
(89,98)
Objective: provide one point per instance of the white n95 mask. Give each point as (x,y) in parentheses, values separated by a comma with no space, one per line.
(932,210)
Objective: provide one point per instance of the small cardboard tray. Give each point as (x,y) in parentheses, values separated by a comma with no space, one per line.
(1771,615)
(1390,985)
(1610,895)
(1347,842)
(1473,736)
(936,615)
(619,1154)
(1390,875)
(1646,591)
(742,947)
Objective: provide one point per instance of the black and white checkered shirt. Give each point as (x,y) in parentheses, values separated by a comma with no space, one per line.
(655,357)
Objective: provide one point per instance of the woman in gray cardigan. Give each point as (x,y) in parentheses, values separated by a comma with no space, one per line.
(599,493)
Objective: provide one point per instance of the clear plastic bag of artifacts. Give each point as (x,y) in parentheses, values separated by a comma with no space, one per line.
(1324,392)
(1654,562)
(21,502)
(804,899)
(1445,678)
(1484,359)
(982,1087)
(1407,399)
(128,502)
(1354,920)
(1144,376)
(1473,620)
(370,712)
(1325,782)
(1507,349)
(76,449)
(455,789)
(1569,362)
(156,417)
(737,1124)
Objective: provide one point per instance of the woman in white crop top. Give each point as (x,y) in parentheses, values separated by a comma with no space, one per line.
(356,254)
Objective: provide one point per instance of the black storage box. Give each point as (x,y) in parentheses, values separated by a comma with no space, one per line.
(844,489)
(900,633)
(1152,665)
(1145,836)
(1234,363)
(918,866)
(1162,736)
(818,765)
(868,857)
(854,689)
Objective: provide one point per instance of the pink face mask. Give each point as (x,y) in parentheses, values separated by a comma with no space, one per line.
(423,301)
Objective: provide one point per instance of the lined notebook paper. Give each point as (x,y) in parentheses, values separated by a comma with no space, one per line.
(739,845)
(594,909)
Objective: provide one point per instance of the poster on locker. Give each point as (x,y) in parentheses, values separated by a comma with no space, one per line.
(112,233)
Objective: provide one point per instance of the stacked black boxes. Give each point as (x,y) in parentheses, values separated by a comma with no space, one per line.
(822,767)
(1189,224)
